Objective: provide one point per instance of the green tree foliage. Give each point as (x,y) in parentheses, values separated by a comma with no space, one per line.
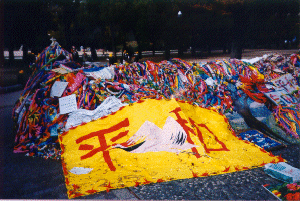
(153,24)
(65,17)
(26,23)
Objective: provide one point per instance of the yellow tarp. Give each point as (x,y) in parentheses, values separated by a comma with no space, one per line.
(153,141)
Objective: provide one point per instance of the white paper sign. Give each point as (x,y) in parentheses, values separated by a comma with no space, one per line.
(58,88)
(67,104)
(281,97)
(288,82)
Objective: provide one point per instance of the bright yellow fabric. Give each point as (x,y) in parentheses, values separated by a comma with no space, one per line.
(219,152)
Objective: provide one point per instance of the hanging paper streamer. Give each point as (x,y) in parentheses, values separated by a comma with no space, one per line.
(50,53)
(210,85)
(289,119)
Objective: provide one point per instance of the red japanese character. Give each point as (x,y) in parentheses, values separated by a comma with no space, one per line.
(103,143)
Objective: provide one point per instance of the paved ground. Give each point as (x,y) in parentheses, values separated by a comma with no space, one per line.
(217,54)
(35,178)
(24,177)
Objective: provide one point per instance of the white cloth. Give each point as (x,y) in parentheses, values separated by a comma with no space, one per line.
(109,105)
(253,60)
(106,73)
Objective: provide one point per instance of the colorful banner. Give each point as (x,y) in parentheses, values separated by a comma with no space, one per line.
(286,81)
(285,87)
(153,141)
(281,97)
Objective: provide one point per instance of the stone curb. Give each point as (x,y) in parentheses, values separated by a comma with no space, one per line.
(12,88)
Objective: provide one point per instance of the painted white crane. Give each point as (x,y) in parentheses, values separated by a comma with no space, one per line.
(172,138)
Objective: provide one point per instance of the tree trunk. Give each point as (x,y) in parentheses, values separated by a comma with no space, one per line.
(114,49)
(153,49)
(180,46)
(224,49)
(1,34)
(140,50)
(236,50)
(209,50)
(94,53)
(11,55)
(67,37)
(113,36)
(167,50)
(193,51)
(229,49)
(69,13)
(25,54)
(167,53)
(180,51)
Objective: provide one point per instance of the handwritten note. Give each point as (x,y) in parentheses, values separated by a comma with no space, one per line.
(67,104)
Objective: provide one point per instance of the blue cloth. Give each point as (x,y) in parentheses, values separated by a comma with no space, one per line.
(259,139)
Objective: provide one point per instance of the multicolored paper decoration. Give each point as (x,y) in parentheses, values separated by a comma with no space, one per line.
(38,121)
(284,191)
(288,117)
(49,54)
